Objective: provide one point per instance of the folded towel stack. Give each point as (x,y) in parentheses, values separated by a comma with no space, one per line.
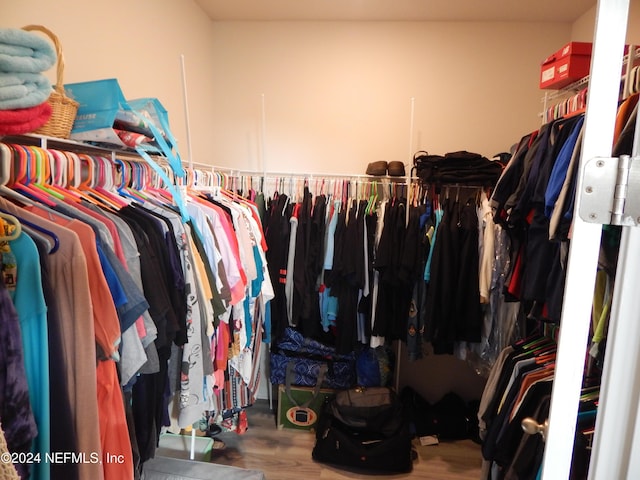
(24,89)
(24,120)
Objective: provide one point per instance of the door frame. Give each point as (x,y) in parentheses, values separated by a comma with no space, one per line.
(604,82)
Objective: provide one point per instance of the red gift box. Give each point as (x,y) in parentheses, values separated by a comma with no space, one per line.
(566,66)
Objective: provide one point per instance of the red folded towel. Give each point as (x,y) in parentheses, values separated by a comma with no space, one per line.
(24,120)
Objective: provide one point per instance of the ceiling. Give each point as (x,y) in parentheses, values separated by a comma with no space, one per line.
(396,10)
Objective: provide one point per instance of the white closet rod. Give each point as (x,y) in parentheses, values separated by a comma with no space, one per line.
(273,174)
(312,176)
(367,178)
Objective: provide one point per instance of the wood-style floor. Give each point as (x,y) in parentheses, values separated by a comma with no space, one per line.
(286,454)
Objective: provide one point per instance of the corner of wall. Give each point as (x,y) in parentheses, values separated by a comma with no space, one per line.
(582,30)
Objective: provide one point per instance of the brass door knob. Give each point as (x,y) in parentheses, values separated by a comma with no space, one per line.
(532,427)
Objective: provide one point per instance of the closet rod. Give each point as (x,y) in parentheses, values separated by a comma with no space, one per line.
(457,185)
(370,178)
(199,165)
(273,174)
(311,176)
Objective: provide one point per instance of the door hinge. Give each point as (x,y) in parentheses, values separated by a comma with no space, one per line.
(611,191)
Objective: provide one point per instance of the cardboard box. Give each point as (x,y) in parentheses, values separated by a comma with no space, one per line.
(567,65)
(303,412)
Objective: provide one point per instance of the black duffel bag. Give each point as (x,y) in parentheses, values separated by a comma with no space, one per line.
(364,429)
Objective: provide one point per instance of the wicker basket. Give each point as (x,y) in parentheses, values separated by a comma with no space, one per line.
(63,108)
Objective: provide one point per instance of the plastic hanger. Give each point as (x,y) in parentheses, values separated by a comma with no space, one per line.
(43,172)
(25,158)
(7,166)
(93,165)
(148,192)
(27,223)
(6,156)
(74,170)
(105,184)
(14,222)
(126,178)
(373,199)
(60,172)
(17,166)
(80,184)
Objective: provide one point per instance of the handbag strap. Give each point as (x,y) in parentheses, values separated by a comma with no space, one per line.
(316,390)
(418,154)
(173,158)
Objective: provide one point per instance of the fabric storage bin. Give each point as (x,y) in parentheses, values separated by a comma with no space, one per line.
(306,358)
(300,407)
(100,101)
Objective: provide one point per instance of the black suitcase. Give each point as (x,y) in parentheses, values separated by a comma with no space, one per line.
(364,430)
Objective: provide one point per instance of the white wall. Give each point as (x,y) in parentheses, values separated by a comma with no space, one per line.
(139,43)
(338,95)
(583,28)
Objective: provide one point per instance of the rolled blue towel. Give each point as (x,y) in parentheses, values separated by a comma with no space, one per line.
(25,52)
(23,90)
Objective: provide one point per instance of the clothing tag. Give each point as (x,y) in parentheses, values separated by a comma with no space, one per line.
(428,440)
(9,267)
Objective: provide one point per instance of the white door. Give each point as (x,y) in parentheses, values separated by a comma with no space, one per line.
(614,453)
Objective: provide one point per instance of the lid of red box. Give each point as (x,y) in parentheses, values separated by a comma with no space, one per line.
(576,48)
(571,48)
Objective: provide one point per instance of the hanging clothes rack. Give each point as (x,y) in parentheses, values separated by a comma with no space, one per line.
(84,167)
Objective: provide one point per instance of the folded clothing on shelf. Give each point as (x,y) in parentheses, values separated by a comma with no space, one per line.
(457,167)
(23,90)
(25,52)
(24,120)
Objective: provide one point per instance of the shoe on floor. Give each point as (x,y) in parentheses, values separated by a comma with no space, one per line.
(218,444)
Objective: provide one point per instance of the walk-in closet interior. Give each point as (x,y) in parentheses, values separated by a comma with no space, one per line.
(264,218)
